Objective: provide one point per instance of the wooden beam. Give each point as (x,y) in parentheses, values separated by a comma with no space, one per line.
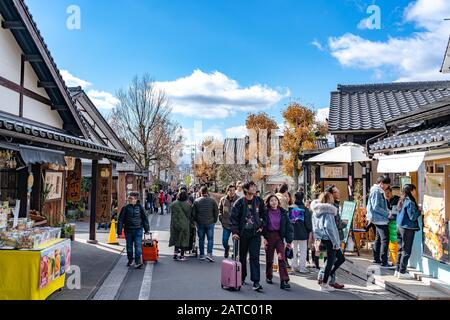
(59,107)
(94,186)
(47,84)
(28,93)
(33,58)
(22,81)
(13,25)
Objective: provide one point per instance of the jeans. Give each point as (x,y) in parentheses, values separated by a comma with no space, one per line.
(300,253)
(208,230)
(380,249)
(405,239)
(335,258)
(226,238)
(250,243)
(134,239)
(274,242)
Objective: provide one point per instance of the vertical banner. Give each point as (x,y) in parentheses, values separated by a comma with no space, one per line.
(104,190)
(74,183)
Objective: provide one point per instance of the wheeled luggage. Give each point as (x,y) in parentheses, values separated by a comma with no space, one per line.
(150,251)
(193,249)
(231,273)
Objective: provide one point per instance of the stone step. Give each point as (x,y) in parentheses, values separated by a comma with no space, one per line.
(441,286)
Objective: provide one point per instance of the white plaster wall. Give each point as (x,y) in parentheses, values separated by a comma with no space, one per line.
(31,80)
(10,56)
(9,101)
(36,111)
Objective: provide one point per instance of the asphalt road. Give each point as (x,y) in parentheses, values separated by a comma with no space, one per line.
(200,280)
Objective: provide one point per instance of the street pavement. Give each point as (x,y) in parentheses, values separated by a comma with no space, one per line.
(200,280)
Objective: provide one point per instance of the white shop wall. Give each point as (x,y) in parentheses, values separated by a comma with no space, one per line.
(10,53)
(36,111)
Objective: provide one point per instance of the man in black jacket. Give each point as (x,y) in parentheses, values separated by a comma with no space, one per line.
(133,218)
(248,218)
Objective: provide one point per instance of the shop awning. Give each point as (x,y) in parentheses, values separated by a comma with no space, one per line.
(346,153)
(33,155)
(400,163)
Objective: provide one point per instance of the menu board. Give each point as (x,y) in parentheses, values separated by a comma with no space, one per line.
(348,211)
(55,262)
(435,230)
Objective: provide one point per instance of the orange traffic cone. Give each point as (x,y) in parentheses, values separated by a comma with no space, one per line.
(112,239)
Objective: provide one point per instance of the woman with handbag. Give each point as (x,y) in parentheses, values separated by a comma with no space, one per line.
(407,226)
(278,235)
(326,231)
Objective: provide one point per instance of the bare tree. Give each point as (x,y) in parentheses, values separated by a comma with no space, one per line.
(142,120)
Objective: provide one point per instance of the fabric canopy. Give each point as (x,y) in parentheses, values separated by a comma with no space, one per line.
(400,163)
(33,155)
(346,153)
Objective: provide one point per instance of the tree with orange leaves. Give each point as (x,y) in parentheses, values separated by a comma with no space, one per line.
(208,161)
(261,128)
(300,134)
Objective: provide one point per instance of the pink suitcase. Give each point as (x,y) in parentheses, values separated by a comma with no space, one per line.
(231,277)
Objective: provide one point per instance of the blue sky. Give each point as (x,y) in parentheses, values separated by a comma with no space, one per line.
(220,59)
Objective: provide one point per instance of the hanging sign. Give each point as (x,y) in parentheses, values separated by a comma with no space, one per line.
(104,187)
(74,183)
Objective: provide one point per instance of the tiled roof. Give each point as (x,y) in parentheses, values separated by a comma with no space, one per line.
(28,131)
(368,107)
(415,138)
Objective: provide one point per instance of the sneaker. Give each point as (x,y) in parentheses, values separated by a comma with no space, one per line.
(202,257)
(175,257)
(181,259)
(388,266)
(324,287)
(139,265)
(210,258)
(303,270)
(396,273)
(405,276)
(337,286)
(129,264)
(257,286)
(269,281)
(285,285)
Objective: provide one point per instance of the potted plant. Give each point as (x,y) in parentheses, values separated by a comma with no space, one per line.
(68,231)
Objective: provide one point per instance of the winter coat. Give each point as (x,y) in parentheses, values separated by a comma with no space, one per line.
(162,199)
(180,224)
(408,217)
(239,214)
(324,224)
(302,229)
(286,227)
(225,206)
(131,218)
(284,202)
(377,209)
(205,211)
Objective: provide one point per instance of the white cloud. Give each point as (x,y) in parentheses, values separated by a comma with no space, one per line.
(416,57)
(317,44)
(323,114)
(236,132)
(72,81)
(216,96)
(102,99)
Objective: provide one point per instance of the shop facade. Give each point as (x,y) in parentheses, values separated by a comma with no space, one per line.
(416,146)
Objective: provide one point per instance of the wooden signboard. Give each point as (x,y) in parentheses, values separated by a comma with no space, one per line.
(104,188)
(74,183)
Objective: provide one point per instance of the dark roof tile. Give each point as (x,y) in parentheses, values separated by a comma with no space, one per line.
(368,107)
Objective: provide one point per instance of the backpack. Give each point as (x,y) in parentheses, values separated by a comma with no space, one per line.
(296,214)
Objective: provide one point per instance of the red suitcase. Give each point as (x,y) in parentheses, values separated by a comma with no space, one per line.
(150,251)
(231,273)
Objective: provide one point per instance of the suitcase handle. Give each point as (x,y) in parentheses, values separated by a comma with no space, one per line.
(236,250)
(150,235)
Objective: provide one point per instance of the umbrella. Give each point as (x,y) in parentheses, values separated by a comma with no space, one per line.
(346,153)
